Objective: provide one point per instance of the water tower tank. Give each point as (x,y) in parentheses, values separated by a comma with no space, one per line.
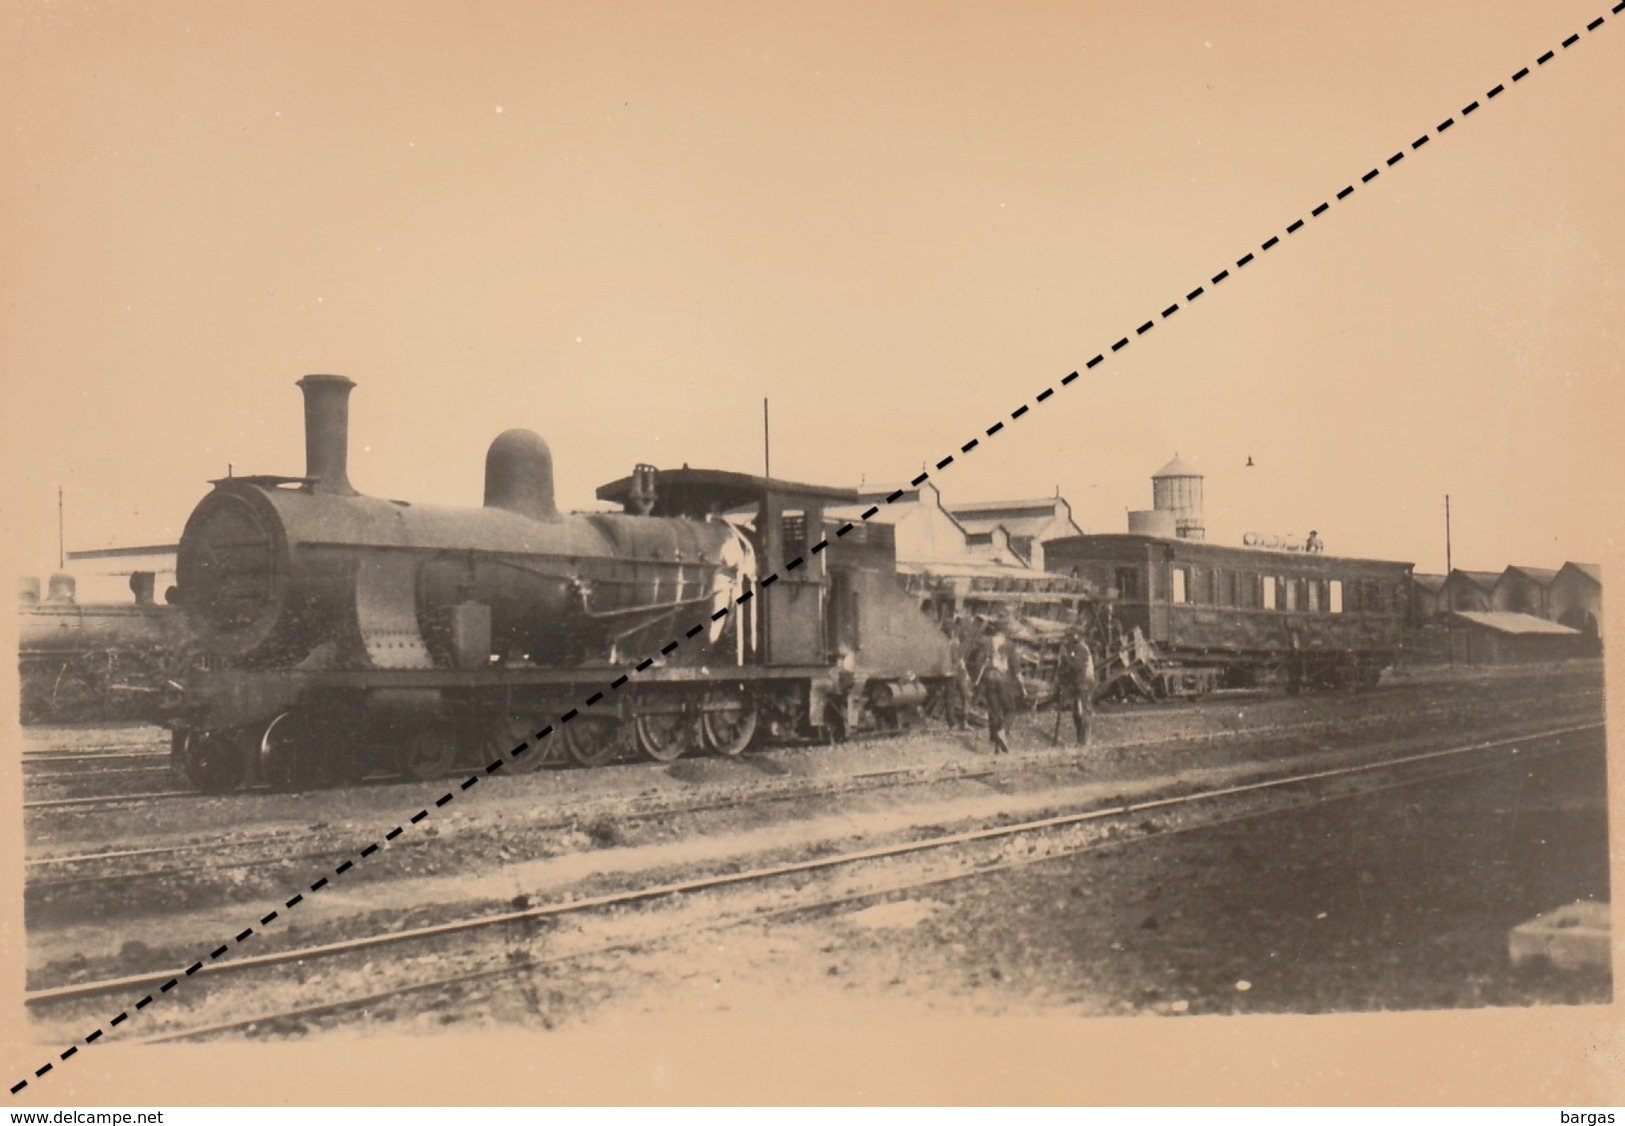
(1177,488)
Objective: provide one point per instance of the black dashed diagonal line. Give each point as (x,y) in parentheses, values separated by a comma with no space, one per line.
(975,443)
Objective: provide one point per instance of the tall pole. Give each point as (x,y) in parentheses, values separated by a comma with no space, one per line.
(1449,591)
(1447,566)
(61,557)
(767,448)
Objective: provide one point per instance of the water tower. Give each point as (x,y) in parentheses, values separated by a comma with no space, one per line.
(1177,488)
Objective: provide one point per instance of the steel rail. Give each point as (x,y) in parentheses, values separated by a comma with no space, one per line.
(773,793)
(110,799)
(841,899)
(750,875)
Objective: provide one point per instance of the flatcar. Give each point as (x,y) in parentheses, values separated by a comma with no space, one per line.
(343,633)
(1184,616)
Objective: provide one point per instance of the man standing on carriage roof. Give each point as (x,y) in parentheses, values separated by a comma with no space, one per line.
(1075,684)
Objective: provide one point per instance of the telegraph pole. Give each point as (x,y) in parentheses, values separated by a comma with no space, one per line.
(1449,591)
(767,448)
(1447,566)
(61,556)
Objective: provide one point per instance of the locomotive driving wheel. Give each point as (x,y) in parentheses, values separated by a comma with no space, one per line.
(510,731)
(591,741)
(427,750)
(213,761)
(728,723)
(665,736)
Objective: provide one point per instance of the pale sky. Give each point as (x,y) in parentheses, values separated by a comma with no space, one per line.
(624,225)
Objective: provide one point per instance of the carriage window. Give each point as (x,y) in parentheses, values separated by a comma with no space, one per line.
(1334,596)
(1180,592)
(1291,587)
(1314,596)
(1268,601)
(1128,584)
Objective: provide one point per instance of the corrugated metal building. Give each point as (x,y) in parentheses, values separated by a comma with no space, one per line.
(1028,523)
(1427,597)
(1469,590)
(1522,590)
(1574,598)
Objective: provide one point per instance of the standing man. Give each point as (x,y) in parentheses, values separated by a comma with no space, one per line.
(1000,690)
(1075,685)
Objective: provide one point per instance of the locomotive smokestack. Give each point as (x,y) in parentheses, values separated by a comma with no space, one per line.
(327,433)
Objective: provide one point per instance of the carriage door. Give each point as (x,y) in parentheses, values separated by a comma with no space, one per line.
(1159,592)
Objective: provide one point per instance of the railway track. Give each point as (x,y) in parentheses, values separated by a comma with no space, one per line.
(44,758)
(245,851)
(104,801)
(160,768)
(793,886)
(82,873)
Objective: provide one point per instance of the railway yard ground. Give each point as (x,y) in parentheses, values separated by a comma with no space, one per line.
(1182,865)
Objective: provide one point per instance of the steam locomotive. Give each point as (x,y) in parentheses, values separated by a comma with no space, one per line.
(340,634)
(94,660)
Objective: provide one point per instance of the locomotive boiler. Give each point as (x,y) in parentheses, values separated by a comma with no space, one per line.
(342,633)
(276,571)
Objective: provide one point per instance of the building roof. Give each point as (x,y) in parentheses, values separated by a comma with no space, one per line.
(1022,519)
(892,511)
(888,514)
(1590,570)
(1176,468)
(1484,580)
(988,508)
(1026,527)
(1434,583)
(1540,576)
(1502,621)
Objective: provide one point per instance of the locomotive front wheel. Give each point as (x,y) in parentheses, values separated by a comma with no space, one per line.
(665,737)
(285,754)
(213,761)
(427,751)
(728,730)
(591,741)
